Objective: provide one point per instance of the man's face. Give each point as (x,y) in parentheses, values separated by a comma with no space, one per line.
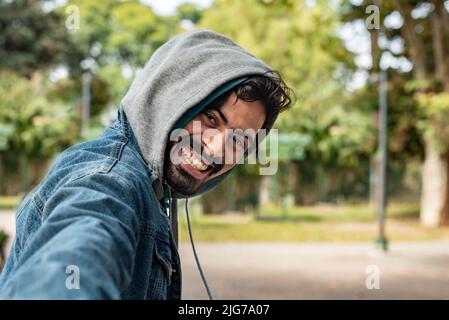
(212,143)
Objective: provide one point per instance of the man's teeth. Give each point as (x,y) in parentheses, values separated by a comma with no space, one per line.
(193,161)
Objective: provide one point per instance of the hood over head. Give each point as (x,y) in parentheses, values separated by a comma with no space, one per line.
(178,81)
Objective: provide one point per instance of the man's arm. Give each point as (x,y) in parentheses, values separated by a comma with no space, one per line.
(91,232)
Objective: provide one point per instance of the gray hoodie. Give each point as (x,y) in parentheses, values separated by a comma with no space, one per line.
(179,77)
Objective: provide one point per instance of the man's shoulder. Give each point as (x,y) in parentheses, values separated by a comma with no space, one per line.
(109,155)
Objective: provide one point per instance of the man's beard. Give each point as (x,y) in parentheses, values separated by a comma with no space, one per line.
(179,179)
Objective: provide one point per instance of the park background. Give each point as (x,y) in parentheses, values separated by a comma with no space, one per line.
(310,231)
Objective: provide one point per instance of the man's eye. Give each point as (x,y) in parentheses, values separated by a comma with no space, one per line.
(211,118)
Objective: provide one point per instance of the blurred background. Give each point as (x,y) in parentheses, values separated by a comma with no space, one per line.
(359,207)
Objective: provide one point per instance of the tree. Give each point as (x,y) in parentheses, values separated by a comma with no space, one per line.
(114,39)
(31,38)
(425,33)
(300,41)
(431,69)
(38,126)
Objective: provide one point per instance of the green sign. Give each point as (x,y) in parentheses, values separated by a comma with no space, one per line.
(288,147)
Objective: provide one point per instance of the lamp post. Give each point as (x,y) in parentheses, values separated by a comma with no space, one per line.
(381,241)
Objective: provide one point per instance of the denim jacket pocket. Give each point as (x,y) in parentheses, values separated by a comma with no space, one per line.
(162,270)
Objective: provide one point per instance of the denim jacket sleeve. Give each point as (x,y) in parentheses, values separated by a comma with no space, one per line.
(86,245)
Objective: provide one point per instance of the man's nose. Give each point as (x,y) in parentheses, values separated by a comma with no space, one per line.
(215,143)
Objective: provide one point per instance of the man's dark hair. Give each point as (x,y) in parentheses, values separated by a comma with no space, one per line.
(269,88)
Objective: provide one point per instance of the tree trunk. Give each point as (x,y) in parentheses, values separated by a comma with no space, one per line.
(415,43)
(435,187)
(439,45)
(435,192)
(435,175)
(264,191)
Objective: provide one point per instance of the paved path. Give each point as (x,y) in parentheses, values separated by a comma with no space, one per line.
(418,270)
(317,271)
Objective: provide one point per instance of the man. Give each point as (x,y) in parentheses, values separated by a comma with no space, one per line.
(98,226)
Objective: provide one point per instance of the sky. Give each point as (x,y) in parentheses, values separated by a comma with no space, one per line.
(168,7)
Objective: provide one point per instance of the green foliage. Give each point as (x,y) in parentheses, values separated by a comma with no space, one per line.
(299,40)
(434,125)
(3,238)
(31,38)
(40,127)
(116,38)
(189,11)
(419,104)
(118,32)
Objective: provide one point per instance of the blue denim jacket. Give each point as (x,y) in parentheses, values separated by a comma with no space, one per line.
(94,221)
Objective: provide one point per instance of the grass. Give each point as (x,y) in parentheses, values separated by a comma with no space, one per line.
(9,202)
(340,213)
(320,223)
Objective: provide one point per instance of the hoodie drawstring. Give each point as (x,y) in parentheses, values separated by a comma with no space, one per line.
(163,192)
(194,252)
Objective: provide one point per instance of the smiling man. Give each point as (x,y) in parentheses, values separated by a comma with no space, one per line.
(219,140)
(99,225)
